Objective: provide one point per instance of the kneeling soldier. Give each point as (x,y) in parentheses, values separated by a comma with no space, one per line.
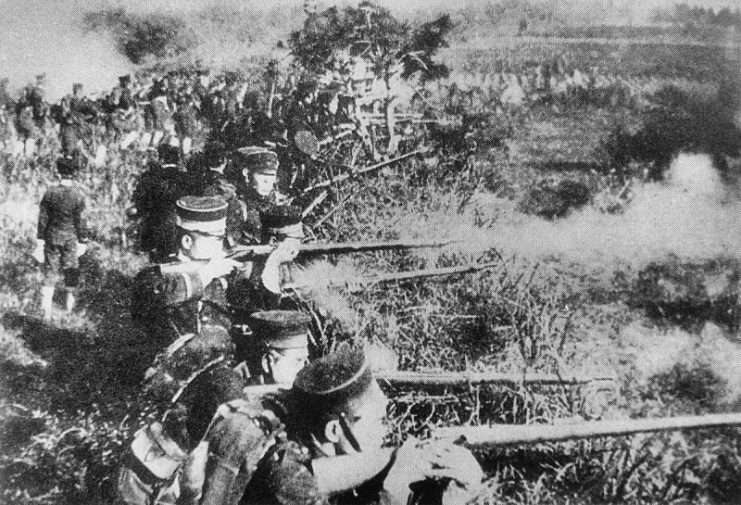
(176,298)
(274,354)
(278,347)
(331,449)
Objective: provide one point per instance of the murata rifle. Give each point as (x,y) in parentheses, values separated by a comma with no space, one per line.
(248,252)
(365,170)
(396,379)
(355,469)
(503,435)
(403,276)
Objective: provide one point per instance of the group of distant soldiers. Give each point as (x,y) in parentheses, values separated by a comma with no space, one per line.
(176,108)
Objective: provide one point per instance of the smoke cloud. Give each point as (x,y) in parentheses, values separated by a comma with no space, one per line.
(693,216)
(46,37)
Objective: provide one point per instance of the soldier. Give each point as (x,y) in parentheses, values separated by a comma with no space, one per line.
(75,115)
(154,203)
(210,166)
(186,120)
(179,297)
(36,96)
(330,451)
(62,236)
(258,173)
(277,348)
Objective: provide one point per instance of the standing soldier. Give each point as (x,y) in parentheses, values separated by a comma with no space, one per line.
(62,236)
(186,120)
(75,116)
(37,98)
(154,203)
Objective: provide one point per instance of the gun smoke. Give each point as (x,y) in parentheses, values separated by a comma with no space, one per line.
(46,37)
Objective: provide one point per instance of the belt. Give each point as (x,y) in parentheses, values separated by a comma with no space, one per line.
(141,471)
(242,329)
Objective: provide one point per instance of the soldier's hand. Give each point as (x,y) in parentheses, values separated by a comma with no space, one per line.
(217,267)
(409,467)
(193,475)
(285,252)
(417,462)
(38,253)
(456,463)
(81,249)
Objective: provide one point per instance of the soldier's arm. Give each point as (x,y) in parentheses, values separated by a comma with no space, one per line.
(248,291)
(43,217)
(81,227)
(164,286)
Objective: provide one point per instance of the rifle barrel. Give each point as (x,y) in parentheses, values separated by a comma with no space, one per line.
(366,246)
(432,378)
(343,177)
(337,248)
(430,272)
(426,379)
(503,435)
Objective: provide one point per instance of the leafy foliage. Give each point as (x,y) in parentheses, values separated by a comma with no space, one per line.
(374,34)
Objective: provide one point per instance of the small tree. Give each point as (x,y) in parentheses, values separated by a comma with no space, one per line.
(372,35)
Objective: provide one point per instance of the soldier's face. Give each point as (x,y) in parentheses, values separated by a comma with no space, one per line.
(262,183)
(284,364)
(202,246)
(368,419)
(334,105)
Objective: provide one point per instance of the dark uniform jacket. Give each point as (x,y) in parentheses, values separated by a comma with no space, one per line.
(216,184)
(170,300)
(61,216)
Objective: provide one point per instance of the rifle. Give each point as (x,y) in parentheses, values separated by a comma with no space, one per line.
(433,379)
(403,276)
(504,435)
(354,173)
(344,472)
(248,252)
(251,251)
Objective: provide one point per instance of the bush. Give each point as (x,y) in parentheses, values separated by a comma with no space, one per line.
(551,200)
(679,121)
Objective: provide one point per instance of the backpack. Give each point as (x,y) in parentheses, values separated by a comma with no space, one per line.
(151,469)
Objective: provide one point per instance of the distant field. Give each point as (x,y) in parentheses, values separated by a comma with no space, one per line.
(630,59)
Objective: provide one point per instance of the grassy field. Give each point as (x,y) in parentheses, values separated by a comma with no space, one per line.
(649,295)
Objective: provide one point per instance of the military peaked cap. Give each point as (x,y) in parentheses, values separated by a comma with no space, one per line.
(281,329)
(66,166)
(206,214)
(259,159)
(333,381)
(282,220)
